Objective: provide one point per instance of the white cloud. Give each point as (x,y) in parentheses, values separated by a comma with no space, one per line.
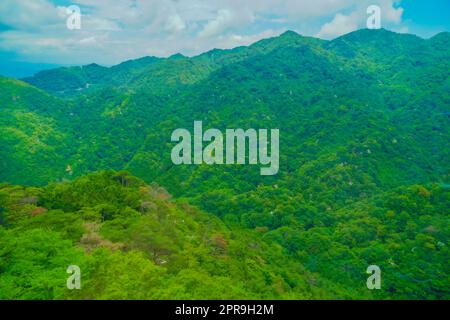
(341,24)
(236,40)
(124,29)
(392,14)
(404,29)
(226,19)
(175,24)
(29,15)
(345,23)
(88,41)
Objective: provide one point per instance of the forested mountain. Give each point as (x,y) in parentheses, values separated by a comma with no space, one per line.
(363,179)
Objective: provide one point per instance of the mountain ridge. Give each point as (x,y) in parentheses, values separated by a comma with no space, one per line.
(82,80)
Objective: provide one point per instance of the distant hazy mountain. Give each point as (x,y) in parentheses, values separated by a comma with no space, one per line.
(18,69)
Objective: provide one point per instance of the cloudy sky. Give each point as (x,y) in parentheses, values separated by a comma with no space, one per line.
(114,31)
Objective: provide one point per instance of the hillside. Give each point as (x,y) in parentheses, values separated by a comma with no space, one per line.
(155,247)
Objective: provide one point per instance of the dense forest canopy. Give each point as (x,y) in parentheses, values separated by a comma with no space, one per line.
(363,178)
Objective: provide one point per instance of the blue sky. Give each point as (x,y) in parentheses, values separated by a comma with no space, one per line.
(426,18)
(35,31)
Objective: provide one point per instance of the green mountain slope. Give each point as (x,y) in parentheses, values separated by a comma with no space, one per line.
(132,241)
(111,223)
(35,134)
(67,81)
